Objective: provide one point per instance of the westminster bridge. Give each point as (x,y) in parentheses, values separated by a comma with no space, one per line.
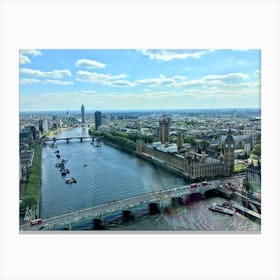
(126,205)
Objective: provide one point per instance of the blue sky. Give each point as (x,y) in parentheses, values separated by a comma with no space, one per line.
(138,79)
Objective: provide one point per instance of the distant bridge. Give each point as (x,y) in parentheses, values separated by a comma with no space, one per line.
(86,124)
(124,204)
(67,139)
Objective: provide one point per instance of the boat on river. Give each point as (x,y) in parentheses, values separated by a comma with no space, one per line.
(70,180)
(220,208)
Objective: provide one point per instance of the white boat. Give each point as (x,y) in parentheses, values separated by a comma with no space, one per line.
(219,208)
(70,180)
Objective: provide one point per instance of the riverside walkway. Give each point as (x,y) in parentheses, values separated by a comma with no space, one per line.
(110,207)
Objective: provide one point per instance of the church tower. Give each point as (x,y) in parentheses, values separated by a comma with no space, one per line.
(229,155)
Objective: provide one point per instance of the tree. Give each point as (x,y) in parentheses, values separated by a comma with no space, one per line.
(256,151)
(204,144)
(189,139)
(248,188)
(91,130)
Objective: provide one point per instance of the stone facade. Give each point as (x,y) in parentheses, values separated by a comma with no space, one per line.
(253,175)
(164,130)
(229,155)
(191,164)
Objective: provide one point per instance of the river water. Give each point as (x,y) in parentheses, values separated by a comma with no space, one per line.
(105,174)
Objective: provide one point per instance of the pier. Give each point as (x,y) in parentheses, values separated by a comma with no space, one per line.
(247,212)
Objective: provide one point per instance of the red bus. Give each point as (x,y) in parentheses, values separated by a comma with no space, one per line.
(35,222)
(193,185)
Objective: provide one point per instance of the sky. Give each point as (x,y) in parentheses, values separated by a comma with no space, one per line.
(144,79)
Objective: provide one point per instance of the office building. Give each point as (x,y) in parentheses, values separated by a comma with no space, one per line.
(97,116)
(83,114)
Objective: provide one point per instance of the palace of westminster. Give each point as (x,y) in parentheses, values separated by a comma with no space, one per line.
(189,163)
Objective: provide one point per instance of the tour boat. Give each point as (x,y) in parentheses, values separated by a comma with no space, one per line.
(219,208)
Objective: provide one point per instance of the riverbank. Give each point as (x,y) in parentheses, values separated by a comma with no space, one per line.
(52,133)
(118,146)
(120,141)
(32,190)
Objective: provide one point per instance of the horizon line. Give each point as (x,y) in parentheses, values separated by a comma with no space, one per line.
(146,110)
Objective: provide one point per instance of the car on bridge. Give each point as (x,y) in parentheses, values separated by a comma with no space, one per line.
(35,222)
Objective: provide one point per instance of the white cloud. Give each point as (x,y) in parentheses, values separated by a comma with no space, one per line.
(88,63)
(23,55)
(161,81)
(151,99)
(58,82)
(55,74)
(23,59)
(167,55)
(47,81)
(32,52)
(88,92)
(122,83)
(93,77)
(214,80)
(104,79)
(29,81)
(231,77)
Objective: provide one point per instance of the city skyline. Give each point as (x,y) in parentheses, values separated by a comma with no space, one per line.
(53,80)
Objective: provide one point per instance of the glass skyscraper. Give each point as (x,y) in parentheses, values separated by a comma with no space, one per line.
(83,113)
(97,115)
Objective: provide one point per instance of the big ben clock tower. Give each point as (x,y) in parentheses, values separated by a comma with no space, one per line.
(229,154)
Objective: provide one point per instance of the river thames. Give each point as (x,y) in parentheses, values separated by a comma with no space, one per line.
(106,174)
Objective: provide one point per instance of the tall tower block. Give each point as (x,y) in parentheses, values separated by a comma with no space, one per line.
(83,114)
(97,116)
(229,155)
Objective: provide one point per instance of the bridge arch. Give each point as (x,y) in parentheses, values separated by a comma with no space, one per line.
(210,193)
(128,214)
(97,224)
(154,208)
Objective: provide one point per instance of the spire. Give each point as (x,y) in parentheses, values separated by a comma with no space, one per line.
(221,155)
(229,130)
(229,138)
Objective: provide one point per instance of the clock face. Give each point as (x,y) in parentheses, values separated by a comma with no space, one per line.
(226,145)
(231,145)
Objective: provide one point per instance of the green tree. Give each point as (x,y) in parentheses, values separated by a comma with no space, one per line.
(248,188)
(256,151)
(91,130)
(189,139)
(33,186)
(204,144)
